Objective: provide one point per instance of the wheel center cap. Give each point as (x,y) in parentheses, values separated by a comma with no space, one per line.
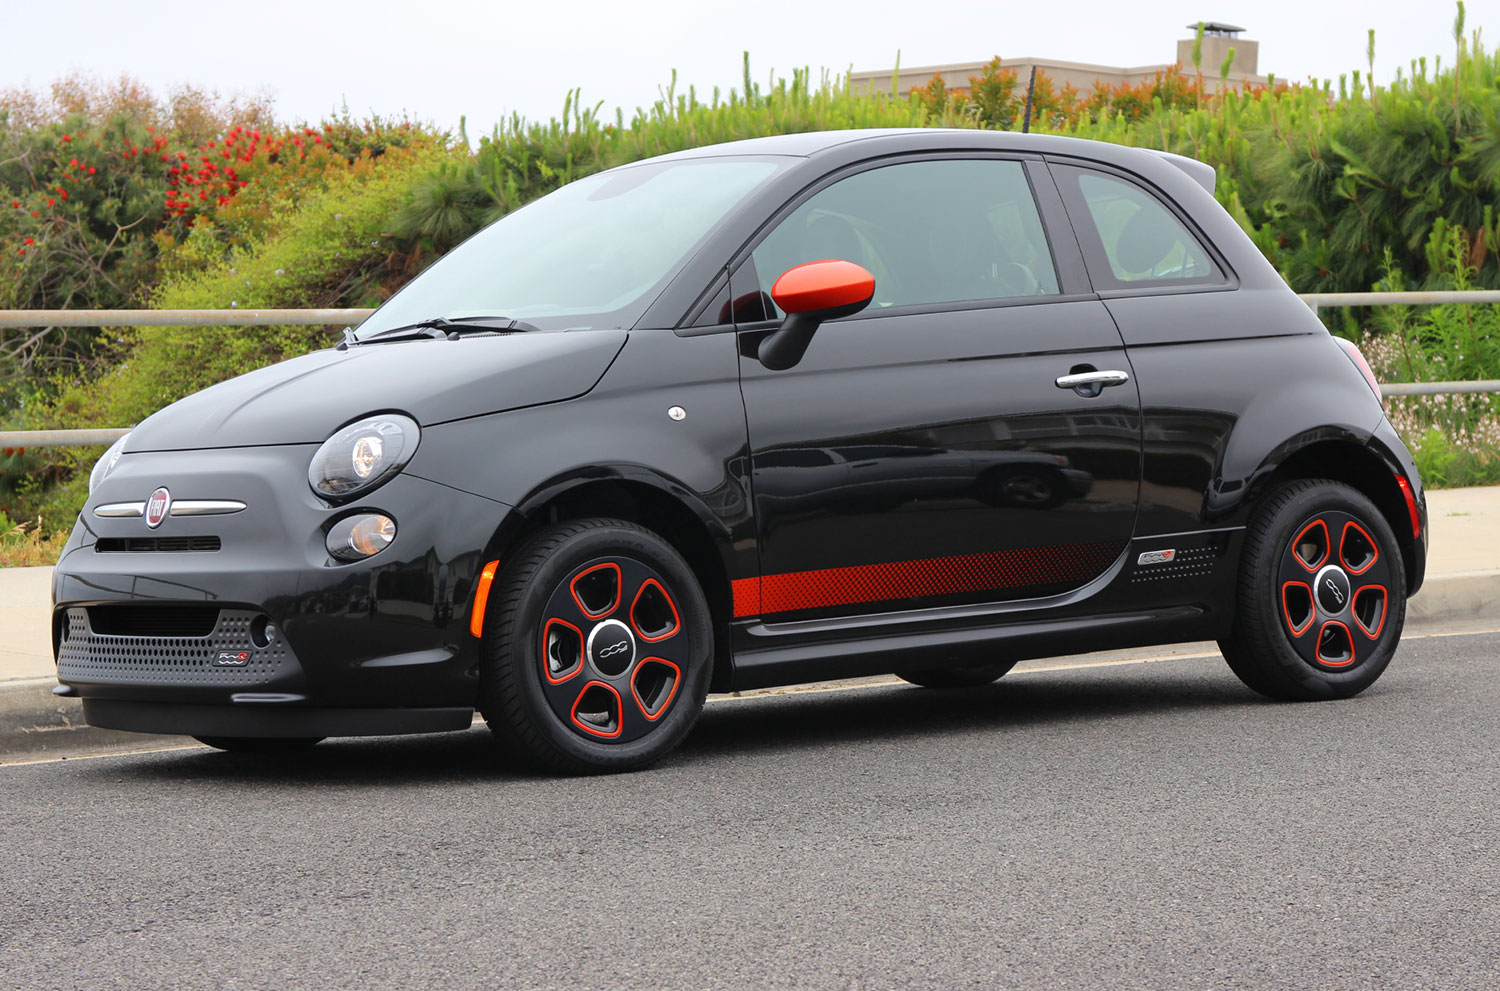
(611,648)
(1333,590)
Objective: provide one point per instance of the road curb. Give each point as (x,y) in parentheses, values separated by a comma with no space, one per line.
(35,723)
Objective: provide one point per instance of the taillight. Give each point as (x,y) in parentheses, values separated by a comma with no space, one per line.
(1352,350)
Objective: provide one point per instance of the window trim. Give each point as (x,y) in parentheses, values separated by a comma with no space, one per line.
(1086,231)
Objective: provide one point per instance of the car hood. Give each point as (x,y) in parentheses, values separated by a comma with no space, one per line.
(306,399)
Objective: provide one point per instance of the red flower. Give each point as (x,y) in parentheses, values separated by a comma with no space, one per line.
(91,170)
(64,194)
(66,138)
(73,163)
(29,241)
(16,204)
(51,202)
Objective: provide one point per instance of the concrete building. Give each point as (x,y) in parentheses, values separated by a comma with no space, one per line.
(1217,40)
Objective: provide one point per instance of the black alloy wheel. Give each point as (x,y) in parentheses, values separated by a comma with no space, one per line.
(1322,598)
(597,649)
(966,677)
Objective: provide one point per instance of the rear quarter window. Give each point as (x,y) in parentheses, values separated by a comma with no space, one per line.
(1130,238)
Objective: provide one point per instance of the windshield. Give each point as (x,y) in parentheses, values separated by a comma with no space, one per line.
(593,254)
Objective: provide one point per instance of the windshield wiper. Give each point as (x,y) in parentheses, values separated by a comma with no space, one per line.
(451,328)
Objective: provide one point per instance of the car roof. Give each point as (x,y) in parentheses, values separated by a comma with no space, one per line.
(808,144)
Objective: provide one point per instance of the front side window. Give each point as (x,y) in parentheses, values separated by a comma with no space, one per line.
(593,254)
(1129,237)
(930,232)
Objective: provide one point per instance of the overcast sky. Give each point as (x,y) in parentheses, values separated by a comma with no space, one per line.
(438,59)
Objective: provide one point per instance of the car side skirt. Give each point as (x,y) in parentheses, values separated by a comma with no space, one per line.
(1141,600)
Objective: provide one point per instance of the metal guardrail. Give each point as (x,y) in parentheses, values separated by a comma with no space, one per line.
(182,318)
(348,317)
(1318,300)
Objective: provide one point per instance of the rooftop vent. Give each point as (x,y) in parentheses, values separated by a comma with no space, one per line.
(1215,29)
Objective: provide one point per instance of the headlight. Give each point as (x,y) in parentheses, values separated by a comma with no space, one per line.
(106,464)
(363,455)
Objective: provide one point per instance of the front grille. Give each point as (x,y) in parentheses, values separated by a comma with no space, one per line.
(153,621)
(115,545)
(189,656)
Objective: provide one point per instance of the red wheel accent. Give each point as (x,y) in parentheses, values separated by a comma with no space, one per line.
(1385,600)
(577,664)
(1348,638)
(1374,548)
(1327,546)
(650,713)
(595,730)
(1286,611)
(676,619)
(614,603)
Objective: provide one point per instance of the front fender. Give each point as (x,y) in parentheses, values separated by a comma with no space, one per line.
(619,431)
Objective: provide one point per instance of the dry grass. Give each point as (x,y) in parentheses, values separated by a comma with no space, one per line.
(22,545)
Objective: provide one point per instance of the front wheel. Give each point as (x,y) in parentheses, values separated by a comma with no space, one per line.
(1322,595)
(597,649)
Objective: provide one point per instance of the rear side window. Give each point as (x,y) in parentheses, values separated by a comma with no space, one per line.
(1129,237)
(930,232)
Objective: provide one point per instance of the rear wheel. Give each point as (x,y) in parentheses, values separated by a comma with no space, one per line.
(1322,595)
(596,650)
(970,677)
(260,744)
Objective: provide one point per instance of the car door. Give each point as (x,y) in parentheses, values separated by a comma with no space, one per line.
(1169,294)
(970,474)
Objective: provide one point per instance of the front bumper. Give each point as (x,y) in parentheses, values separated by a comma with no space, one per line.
(268,635)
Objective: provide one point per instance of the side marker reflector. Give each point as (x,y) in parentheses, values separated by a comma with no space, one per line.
(1411,507)
(1412,510)
(482,598)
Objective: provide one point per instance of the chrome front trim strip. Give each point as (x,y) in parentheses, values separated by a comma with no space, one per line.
(206,507)
(121,509)
(182,507)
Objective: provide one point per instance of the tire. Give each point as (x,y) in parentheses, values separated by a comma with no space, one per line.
(260,744)
(971,677)
(1322,595)
(597,649)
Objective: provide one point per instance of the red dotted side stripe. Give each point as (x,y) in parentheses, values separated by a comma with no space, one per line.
(925,578)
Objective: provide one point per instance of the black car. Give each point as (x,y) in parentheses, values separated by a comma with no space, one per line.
(789,409)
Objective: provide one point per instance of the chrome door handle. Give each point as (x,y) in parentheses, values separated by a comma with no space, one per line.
(1098,379)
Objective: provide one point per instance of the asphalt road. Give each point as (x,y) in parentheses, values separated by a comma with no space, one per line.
(1144,826)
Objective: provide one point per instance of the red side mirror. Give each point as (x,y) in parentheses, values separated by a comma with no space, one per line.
(810,294)
(823,285)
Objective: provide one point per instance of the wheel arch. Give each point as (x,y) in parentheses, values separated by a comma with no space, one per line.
(1357,466)
(639,496)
